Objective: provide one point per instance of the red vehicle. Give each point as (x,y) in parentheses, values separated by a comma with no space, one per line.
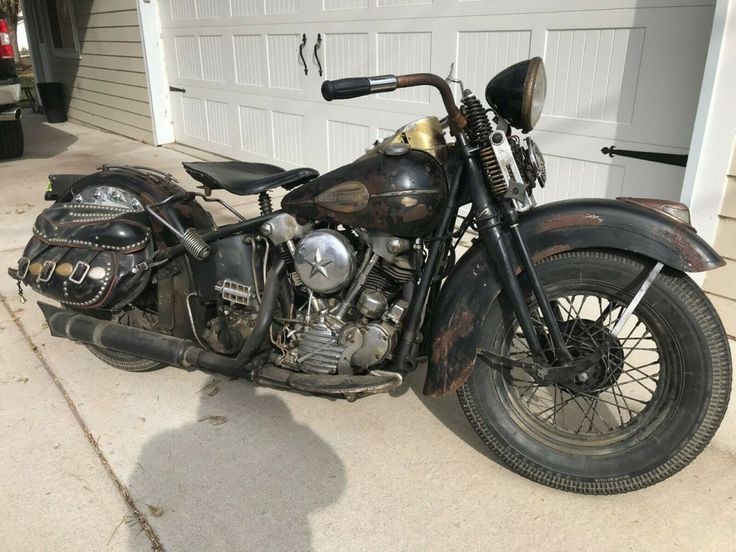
(11,131)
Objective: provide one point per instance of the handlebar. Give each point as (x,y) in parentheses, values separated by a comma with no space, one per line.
(354,87)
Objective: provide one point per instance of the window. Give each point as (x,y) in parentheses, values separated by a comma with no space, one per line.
(63,29)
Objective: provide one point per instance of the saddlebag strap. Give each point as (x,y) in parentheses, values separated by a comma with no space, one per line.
(81,269)
(48,267)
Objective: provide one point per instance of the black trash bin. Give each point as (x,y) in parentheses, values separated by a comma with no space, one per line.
(52,98)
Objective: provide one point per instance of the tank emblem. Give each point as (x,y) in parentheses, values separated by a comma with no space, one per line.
(318,265)
(346,197)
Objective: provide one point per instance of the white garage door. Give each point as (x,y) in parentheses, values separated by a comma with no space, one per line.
(623,72)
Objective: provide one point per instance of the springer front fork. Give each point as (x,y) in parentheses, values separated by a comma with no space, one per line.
(489,220)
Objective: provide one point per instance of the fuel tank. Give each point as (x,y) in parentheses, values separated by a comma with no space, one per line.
(396,189)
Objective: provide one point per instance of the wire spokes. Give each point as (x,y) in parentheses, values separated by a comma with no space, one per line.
(610,396)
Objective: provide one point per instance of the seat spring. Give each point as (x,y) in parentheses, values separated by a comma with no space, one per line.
(264,202)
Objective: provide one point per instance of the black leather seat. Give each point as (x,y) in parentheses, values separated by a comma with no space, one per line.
(242,178)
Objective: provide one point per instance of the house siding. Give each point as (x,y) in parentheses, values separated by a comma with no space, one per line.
(106,86)
(721,284)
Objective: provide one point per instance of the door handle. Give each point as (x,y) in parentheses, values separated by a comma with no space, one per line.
(317,46)
(301,53)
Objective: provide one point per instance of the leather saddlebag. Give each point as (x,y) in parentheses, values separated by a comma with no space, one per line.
(83,255)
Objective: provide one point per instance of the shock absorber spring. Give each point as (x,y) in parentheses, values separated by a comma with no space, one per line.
(264,202)
(480,130)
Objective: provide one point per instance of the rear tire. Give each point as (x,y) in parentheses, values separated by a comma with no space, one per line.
(11,139)
(689,390)
(124,361)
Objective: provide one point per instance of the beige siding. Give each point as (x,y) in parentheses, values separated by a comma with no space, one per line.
(721,284)
(106,86)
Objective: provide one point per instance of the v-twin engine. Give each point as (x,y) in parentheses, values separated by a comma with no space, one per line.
(350,284)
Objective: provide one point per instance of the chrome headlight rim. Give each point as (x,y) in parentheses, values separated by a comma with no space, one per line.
(535,93)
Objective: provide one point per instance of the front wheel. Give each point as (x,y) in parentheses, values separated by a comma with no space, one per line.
(641,414)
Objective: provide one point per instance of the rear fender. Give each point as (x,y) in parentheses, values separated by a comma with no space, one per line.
(549,230)
(149,188)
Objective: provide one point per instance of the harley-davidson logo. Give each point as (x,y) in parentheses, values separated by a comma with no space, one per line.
(347,197)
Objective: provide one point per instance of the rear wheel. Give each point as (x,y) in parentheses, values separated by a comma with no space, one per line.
(139,319)
(641,414)
(11,139)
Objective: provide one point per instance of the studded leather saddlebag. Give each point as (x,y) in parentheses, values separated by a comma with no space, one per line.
(83,255)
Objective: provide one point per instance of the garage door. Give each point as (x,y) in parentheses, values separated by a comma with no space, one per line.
(624,73)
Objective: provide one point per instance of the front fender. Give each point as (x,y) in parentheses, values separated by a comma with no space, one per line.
(549,230)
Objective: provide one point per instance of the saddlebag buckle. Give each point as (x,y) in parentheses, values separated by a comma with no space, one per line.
(47,270)
(73,278)
(24,264)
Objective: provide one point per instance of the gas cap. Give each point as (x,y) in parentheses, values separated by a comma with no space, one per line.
(395,150)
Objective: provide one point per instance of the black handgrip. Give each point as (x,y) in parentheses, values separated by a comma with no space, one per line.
(343,89)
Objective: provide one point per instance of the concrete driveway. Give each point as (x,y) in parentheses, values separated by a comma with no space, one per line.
(96,459)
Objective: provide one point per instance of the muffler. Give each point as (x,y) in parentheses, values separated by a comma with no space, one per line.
(183,353)
(166,349)
(11,114)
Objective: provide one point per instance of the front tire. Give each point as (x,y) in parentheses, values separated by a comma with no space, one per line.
(649,408)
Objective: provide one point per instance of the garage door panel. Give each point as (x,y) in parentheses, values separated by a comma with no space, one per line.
(256,136)
(621,175)
(482,54)
(333,5)
(346,141)
(571,177)
(404,53)
(617,75)
(204,10)
(256,12)
(346,55)
(593,73)
(250,59)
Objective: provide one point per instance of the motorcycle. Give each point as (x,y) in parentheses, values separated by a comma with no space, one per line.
(581,351)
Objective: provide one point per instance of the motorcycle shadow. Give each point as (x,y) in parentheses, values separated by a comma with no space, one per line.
(245,475)
(448,411)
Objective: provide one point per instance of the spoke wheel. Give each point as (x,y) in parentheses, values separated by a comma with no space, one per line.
(640,414)
(608,402)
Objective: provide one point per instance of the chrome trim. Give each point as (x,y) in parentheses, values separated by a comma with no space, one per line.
(11,114)
(621,322)
(384,83)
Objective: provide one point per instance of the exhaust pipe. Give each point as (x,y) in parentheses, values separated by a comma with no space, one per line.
(11,115)
(166,349)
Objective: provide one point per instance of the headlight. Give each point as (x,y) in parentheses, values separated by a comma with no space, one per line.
(517,93)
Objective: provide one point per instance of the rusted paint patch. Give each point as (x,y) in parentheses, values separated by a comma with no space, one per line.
(566,221)
(447,339)
(692,256)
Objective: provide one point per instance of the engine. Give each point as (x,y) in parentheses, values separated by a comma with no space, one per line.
(349,297)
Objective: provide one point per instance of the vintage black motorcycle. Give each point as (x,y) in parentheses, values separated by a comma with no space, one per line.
(582,353)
